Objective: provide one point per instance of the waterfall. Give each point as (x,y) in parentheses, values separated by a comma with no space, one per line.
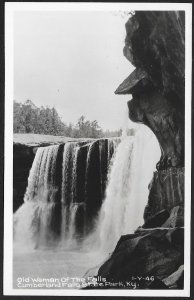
(127,190)
(87,191)
(66,187)
(40,199)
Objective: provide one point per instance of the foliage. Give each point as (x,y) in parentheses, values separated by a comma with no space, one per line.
(29,118)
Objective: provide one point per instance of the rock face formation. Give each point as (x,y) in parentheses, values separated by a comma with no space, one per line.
(155,45)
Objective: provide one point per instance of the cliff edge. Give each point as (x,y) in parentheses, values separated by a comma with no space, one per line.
(153,257)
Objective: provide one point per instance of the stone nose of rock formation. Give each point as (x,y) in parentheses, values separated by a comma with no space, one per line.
(131,81)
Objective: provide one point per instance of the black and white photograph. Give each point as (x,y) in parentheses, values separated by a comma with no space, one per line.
(97,149)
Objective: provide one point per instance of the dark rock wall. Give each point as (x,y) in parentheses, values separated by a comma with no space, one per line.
(166,191)
(155,42)
(155,45)
(23,157)
(157,253)
(161,116)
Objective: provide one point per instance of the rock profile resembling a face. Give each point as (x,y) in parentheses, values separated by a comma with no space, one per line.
(157,83)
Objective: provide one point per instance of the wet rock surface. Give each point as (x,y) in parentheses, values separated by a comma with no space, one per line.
(157,220)
(156,253)
(166,191)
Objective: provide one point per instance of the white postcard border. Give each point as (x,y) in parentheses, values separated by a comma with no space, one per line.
(10,8)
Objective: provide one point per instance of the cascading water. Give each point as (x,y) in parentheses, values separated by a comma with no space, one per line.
(127,190)
(66,186)
(35,215)
(68,212)
(70,198)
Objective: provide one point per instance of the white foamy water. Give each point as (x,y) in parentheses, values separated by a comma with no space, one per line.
(127,191)
(131,170)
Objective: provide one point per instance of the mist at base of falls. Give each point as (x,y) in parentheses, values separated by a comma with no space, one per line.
(72,252)
(127,190)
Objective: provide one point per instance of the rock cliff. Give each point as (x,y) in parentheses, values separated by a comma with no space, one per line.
(155,45)
(166,192)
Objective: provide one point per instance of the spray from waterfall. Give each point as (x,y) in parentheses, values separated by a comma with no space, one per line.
(127,190)
(66,186)
(98,186)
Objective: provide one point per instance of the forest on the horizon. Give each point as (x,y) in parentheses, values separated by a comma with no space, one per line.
(28,118)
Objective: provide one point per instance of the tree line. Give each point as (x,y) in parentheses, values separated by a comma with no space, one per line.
(29,118)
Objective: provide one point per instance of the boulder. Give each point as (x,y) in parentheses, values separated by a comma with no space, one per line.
(157,220)
(155,253)
(176,279)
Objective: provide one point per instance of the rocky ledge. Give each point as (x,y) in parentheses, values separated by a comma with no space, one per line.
(151,258)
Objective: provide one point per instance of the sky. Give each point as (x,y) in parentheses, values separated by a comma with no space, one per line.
(73,61)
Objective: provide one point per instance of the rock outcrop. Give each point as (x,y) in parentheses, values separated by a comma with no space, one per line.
(153,253)
(154,44)
(166,191)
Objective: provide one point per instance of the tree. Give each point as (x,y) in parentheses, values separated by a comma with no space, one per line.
(88,129)
(29,118)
